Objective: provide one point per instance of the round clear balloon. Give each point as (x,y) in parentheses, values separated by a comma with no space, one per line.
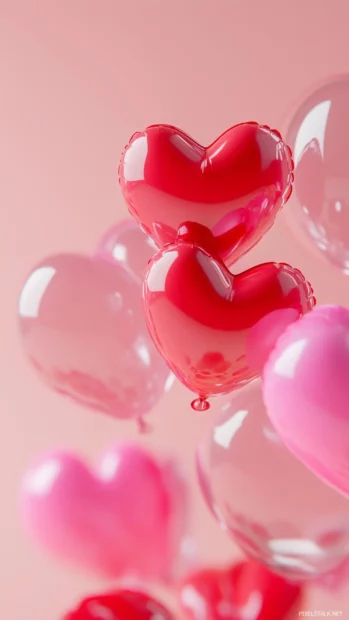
(273,507)
(127,245)
(318,135)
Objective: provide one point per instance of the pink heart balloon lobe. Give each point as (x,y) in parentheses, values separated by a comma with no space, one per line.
(306,392)
(124,520)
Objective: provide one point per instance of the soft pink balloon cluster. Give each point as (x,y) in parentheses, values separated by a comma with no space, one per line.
(84,332)
(274,466)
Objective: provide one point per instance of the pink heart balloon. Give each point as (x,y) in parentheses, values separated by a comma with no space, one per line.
(125,520)
(306,392)
(83,330)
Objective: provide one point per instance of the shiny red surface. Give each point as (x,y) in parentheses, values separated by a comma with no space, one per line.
(247,590)
(204,320)
(121,605)
(234,187)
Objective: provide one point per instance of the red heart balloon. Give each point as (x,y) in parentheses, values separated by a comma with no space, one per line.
(234,187)
(246,590)
(121,605)
(206,321)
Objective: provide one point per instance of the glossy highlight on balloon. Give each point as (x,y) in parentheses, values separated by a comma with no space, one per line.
(306,392)
(271,504)
(234,188)
(318,134)
(127,245)
(201,316)
(120,605)
(83,330)
(245,590)
(125,520)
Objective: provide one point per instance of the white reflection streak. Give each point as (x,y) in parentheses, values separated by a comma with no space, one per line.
(220,282)
(286,364)
(295,563)
(271,435)
(41,480)
(192,151)
(33,291)
(156,280)
(224,434)
(109,466)
(169,382)
(312,127)
(143,353)
(252,608)
(217,151)
(134,159)
(295,546)
(193,601)
(120,252)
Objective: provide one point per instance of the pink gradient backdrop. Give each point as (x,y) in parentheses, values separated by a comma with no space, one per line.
(77,78)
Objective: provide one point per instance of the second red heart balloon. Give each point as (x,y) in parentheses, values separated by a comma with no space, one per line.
(210,325)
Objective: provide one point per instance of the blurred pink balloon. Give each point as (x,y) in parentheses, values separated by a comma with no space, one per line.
(318,135)
(84,331)
(126,244)
(127,520)
(274,508)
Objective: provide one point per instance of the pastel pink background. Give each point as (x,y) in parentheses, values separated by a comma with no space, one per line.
(77,78)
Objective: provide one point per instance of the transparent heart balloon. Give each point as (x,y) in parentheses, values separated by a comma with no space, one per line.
(274,508)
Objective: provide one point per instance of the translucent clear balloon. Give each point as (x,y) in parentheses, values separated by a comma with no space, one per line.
(318,135)
(275,509)
(83,330)
(127,245)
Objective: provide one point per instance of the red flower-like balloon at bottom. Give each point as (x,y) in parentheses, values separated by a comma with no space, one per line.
(246,590)
(120,605)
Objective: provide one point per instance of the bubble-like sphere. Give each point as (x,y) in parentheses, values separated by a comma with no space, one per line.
(274,508)
(318,135)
